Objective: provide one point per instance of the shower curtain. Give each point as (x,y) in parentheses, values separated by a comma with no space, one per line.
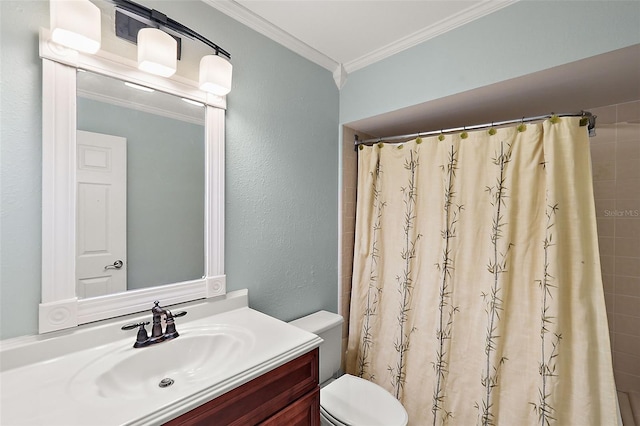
(477,293)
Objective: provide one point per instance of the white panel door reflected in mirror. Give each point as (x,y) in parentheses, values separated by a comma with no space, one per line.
(101,217)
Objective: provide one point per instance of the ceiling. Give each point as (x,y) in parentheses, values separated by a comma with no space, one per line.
(346,35)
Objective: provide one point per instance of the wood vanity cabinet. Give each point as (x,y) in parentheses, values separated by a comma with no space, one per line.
(288,395)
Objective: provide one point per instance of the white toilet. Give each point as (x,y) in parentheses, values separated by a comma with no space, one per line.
(347,400)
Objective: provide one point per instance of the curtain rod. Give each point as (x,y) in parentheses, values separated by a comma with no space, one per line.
(588,119)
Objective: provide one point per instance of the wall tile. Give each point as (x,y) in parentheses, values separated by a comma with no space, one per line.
(604,189)
(627,363)
(605,207)
(604,170)
(627,305)
(627,247)
(628,150)
(603,153)
(609,301)
(628,208)
(617,146)
(606,115)
(607,246)
(627,227)
(626,324)
(627,132)
(629,286)
(628,168)
(626,382)
(608,283)
(605,133)
(628,189)
(627,344)
(627,266)
(608,265)
(606,227)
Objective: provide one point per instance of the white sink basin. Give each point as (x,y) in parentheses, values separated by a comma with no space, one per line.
(197,356)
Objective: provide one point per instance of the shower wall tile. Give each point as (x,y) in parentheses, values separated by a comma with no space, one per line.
(627,132)
(606,227)
(604,170)
(608,283)
(627,305)
(628,286)
(627,344)
(608,265)
(627,266)
(627,363)
(607,246)
(629,247)
(626,324)
(627,189)
(628,150)
(628,168)
(605,207)
(615,156)
(627,228)
(626,382)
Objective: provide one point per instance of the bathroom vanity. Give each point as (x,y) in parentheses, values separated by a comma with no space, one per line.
(288,395)
(230,365)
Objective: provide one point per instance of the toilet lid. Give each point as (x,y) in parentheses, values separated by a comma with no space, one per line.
(355,401)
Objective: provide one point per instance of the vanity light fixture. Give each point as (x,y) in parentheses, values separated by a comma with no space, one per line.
(157,52)
(75,24)
(215,75)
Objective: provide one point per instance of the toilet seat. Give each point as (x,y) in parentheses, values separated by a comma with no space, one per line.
(354,401)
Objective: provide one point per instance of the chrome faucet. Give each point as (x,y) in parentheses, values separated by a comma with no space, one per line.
(157,335)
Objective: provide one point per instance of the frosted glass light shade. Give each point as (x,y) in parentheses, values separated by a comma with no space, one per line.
(157,52)
(75,24)
(215,75)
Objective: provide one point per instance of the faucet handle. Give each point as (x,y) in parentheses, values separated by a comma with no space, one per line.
(142,339)
(171,332)
(134,325)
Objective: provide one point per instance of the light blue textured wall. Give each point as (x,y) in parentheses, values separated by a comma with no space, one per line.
(281,176)
(520,39)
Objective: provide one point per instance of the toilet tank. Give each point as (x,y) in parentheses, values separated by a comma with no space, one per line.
(328,326)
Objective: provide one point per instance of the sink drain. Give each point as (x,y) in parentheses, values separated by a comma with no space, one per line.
(165,383)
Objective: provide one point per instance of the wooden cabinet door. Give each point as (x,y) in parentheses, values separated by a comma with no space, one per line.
(303,412)
(261,398)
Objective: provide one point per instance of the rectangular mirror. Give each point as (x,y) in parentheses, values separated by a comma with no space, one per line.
(141,187)
(174,203)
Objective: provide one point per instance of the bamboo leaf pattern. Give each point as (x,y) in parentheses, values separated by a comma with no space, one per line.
(496,266)
(445,307)
(547,365)
(374,289)
(405,281)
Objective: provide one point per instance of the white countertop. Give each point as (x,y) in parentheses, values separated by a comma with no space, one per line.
(37,385)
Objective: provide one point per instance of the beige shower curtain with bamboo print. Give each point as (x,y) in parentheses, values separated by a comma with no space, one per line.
(477,294)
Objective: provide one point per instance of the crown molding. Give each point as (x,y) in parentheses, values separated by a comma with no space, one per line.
(340,71)
(266,28)
(427,33)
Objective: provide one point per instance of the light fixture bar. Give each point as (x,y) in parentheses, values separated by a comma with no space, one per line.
(163,20)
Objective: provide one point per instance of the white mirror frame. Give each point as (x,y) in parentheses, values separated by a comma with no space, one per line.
(60,308)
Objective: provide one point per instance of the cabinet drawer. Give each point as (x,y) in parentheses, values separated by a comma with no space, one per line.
(261,398)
